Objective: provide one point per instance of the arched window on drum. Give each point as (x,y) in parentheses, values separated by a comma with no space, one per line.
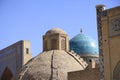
(63,43)
(53,44)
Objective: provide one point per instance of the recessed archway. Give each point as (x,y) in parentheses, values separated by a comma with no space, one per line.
(7,74)
(116,72)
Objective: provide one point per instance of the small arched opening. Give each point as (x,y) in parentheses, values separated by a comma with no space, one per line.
(7,74)
(63,44)
(54,44)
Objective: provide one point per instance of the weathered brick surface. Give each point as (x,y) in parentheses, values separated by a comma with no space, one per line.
(51,65)
(92,74)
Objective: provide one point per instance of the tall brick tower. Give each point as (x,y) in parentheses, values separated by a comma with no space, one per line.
(109,42)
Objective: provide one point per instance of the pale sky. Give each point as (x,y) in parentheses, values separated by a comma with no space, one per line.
(30,19)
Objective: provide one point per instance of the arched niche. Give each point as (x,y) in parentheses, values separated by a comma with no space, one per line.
(7,74)
(116,72)
(63,43)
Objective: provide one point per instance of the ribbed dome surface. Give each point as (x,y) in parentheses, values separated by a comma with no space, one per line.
(52,65)
(55,31)
(84,45)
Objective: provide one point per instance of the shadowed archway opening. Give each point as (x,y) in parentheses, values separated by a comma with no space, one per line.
(116,72)
(7,74)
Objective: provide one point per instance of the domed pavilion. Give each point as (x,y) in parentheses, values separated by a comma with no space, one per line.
(55,61)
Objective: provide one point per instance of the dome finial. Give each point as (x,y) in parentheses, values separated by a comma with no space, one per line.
(81,30)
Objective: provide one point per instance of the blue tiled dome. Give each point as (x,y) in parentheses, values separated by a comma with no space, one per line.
(84,45)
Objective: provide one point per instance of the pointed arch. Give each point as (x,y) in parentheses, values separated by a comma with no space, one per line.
(7,74)
(116,72)
(63,43)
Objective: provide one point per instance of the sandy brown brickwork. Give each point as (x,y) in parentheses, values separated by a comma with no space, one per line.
(13,57)
(92,74)
(110,25)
